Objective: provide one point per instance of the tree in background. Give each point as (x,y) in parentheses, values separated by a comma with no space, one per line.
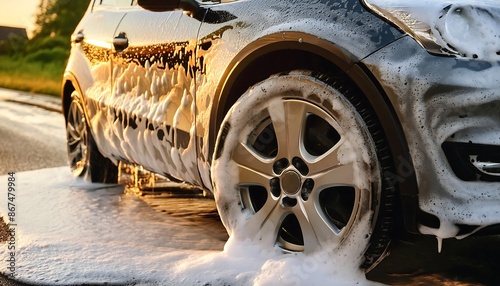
(58,18)
(55,22)
(37,65)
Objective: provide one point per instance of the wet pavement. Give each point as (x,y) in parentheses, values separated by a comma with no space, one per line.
(32,134)
(414,259)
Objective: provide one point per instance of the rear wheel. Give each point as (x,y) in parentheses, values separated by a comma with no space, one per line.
(84,158)
(297,167)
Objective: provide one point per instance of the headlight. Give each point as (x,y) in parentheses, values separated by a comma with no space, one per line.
(467,28)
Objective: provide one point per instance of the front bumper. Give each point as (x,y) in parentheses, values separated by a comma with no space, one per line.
(444,99)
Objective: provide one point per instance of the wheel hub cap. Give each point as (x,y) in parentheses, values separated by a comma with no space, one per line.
(290,183)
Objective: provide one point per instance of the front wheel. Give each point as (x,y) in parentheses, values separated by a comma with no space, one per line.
(84,157)
(297,167)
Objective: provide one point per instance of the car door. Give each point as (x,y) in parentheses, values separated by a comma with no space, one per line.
(95,33)
(154,92)
(95,36)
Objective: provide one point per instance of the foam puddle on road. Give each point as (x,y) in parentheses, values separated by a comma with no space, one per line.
(71,232)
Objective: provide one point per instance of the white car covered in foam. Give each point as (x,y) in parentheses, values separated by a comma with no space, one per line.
(310,122)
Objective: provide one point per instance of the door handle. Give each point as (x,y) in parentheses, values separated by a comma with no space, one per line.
(78,37)
(120,42)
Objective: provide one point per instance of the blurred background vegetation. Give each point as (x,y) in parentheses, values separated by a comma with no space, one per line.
(37,65)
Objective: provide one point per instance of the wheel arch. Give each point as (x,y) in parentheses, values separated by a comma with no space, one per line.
(99,169)
(270,55)
(284,52)
(69,85)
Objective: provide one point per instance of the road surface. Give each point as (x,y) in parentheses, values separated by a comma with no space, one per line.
(30,137)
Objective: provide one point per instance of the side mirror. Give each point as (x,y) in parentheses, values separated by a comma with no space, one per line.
(190,6)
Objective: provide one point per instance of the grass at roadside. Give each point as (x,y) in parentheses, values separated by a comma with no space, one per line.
(22,73)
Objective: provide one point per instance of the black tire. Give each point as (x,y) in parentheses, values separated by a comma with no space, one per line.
(300,163)
(84,157)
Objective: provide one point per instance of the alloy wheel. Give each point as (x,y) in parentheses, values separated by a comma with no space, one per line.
(304,170)
(76,132)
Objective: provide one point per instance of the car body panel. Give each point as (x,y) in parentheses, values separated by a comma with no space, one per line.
(123,108)
(149,115)
(94,49)
(442,99)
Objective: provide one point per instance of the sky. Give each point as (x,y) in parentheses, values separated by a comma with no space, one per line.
(18,13)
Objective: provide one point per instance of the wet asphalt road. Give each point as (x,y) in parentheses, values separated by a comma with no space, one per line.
(22,153)
(414,260)
(30,137)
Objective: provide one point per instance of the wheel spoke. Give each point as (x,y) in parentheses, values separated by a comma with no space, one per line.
(71,130)
(327,170)
(74,133)
(288,119)
(325,162)
(75,116)
(340,175)
(264,224)
(250,160)
(74,154)
(316,229)
(311,241)
(248,177)
(73,143)
(75,126)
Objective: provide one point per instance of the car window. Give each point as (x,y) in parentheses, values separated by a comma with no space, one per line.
(115,3)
